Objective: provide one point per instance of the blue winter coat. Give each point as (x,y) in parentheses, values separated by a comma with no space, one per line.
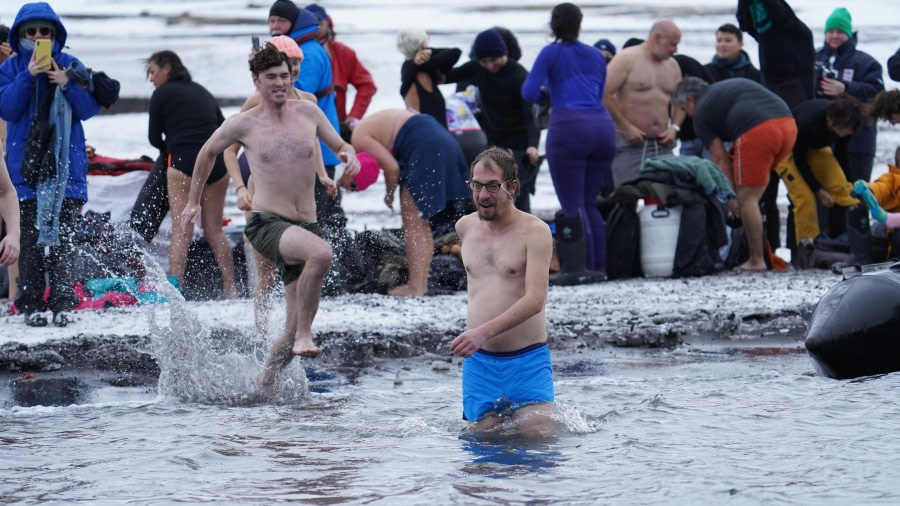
(315,77)
(20,93)
(862,75)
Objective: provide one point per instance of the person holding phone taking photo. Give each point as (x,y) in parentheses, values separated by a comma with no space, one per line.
(27,82)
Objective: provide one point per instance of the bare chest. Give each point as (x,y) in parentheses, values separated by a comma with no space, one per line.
(486,257)
(281,145)
(652,78)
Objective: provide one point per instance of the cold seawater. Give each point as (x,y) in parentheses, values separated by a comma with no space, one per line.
(639,426)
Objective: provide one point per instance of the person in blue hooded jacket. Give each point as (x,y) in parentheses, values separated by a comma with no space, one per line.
(24,86)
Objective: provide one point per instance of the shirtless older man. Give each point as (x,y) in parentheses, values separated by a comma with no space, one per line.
(279,138)
(507,254)
(639,85)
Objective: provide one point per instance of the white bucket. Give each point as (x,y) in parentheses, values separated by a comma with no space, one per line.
(659,238)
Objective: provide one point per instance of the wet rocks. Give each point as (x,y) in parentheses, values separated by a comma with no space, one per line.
(356,330)
(108,353)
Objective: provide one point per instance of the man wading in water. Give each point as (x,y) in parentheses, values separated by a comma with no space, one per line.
(279,138)
(507,370)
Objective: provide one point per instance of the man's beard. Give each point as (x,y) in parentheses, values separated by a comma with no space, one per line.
(482,217)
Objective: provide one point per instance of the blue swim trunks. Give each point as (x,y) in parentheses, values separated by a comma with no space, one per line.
(504,382)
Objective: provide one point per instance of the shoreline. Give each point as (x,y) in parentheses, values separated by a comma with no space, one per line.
(712,314)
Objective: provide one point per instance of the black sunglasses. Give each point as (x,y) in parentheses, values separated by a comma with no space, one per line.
(31,32)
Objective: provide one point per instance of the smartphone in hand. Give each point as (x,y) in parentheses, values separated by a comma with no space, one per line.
(255,41)
(42,47)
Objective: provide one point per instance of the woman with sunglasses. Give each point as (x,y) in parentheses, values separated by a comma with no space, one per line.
(422,158)
(26,82)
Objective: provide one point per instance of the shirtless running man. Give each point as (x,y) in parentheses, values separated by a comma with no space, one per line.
(639,85)
(279,138)
(507,257)
(266,271)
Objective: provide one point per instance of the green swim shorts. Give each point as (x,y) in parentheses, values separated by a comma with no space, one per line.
(265,230)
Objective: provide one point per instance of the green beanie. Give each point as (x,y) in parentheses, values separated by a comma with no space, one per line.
(839,20)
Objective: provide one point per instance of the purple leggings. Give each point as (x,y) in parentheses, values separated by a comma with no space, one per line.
(581,145)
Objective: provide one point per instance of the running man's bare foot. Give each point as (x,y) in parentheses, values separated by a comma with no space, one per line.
(304,347)
(407,291)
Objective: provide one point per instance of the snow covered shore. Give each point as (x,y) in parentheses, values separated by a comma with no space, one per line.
(717,312)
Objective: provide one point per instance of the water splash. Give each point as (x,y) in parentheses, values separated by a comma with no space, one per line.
(572,419)
(200,365)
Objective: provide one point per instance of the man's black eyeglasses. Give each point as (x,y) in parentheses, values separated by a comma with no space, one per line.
(31,32)
(491,187)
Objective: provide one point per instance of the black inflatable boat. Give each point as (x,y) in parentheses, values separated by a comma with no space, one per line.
(855,329)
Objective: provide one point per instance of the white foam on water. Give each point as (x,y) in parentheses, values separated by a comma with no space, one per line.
(572,419)
(197,365)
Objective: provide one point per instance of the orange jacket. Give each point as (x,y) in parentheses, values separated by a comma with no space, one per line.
(887,189)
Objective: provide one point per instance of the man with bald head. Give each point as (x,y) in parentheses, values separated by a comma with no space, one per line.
(639,85)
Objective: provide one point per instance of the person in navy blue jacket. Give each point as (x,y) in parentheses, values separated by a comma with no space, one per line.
(24,85)
(845,69)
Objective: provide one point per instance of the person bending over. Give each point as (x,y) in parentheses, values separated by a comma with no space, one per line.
(814,169)
(763,131)
(425,161)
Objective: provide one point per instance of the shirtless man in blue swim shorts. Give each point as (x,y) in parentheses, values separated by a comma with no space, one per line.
(279,138)
(507,371)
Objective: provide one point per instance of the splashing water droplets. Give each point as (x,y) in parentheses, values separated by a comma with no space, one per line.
(199,365)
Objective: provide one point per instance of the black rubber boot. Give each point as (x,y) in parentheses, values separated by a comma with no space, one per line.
(572,252)
(860,239)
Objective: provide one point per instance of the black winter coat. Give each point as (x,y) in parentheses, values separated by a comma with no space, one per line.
(786,53)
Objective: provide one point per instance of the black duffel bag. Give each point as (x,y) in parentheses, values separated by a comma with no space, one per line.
(38,162)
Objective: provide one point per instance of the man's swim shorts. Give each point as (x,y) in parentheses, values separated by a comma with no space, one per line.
(504,382)
(265,230)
